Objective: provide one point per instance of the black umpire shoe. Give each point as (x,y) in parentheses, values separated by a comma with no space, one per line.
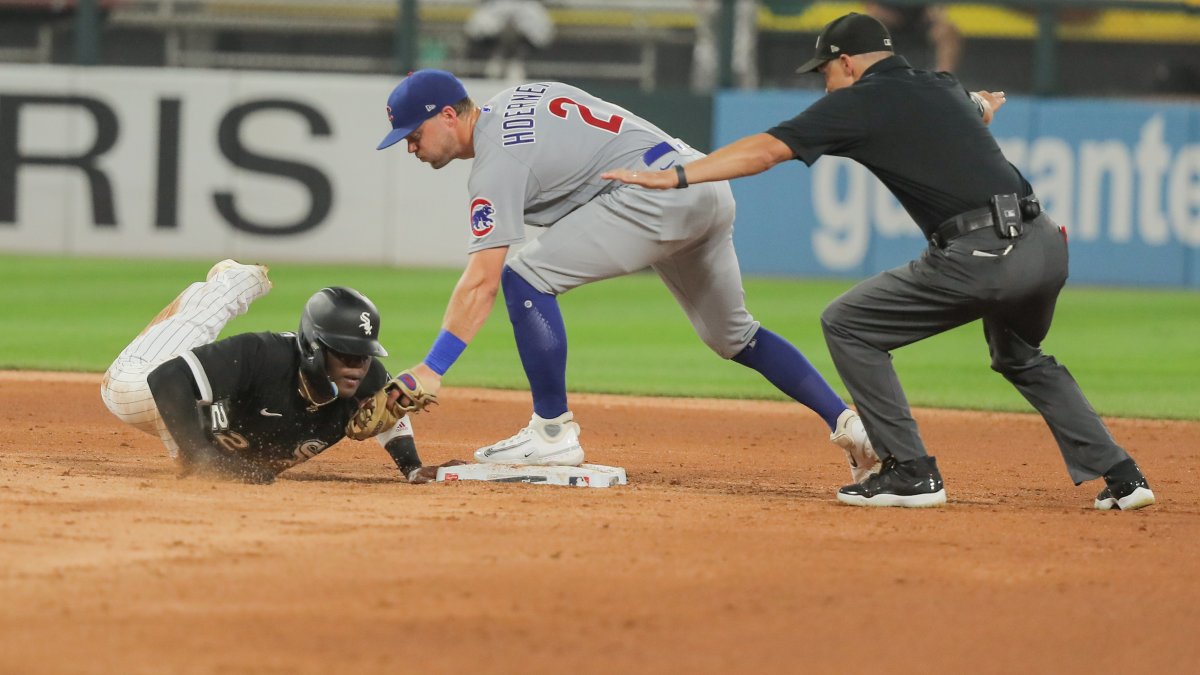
(915,483)
(1126,489)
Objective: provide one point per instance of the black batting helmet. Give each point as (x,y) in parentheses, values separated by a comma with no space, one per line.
(341,319)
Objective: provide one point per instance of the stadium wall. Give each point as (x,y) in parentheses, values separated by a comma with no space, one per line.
(1124,177)
(195,163)
(277,166)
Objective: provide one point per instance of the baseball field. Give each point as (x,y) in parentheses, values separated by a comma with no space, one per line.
(726,553)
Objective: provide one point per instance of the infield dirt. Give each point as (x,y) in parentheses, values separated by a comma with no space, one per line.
(727,553)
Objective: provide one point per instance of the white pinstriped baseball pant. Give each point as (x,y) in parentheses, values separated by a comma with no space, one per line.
(193,319)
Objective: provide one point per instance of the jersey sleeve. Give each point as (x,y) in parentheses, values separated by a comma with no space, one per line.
(833,125)
(225,367)
(499,186)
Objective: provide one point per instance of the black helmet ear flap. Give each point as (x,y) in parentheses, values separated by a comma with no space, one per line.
(312,370)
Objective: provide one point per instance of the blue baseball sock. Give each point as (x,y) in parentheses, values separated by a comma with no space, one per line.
(541,342)
(785,367)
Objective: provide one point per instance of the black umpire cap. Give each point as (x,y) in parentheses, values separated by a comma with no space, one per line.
(851,34)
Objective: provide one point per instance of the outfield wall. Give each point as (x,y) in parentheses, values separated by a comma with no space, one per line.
(281,166)
(1124,177)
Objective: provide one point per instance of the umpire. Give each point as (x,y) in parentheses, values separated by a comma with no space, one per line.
(992,255)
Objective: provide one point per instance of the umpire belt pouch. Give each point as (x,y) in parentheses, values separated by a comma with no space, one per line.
(1006,215)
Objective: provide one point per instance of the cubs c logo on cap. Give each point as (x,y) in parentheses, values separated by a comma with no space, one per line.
(482,222)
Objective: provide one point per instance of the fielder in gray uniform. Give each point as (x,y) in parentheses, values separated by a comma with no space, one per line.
(992,255)
(539,149)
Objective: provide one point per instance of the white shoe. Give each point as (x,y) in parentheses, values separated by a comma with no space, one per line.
(543,443)
(851,436)
(259,272)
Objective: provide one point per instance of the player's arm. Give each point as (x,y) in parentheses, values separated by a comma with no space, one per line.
(176,396)
(744,157)
(469,307)
(401,445)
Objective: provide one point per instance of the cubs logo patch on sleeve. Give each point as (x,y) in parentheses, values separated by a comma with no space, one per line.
(482,221)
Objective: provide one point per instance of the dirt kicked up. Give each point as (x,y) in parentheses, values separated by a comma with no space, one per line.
(727,553)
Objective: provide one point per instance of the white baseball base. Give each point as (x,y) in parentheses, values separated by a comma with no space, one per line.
(585,475)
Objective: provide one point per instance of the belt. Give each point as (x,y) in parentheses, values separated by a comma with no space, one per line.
(960,225)
(978,219)
(654,154)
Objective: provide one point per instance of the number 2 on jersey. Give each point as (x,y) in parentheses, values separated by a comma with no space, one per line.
(558,108)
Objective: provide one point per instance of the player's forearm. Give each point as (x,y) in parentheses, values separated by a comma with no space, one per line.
(403,451)
(172,387)
(174,394)
(469,308)
(475,294)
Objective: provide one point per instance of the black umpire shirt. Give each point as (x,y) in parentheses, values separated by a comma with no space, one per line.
(919,132)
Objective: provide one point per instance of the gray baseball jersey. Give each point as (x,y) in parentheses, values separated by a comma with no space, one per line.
(539,151)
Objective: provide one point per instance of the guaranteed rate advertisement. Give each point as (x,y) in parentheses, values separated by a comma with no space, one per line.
(1122,176)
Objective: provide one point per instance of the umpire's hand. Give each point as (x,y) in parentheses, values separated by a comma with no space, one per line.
(989,102)
(656,180)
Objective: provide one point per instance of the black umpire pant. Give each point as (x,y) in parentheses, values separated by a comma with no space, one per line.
(1012,284)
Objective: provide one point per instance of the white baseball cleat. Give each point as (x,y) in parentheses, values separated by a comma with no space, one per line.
(544,442)
(851,436)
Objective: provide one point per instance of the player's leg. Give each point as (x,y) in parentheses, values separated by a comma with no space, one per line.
(552,436)
(194,318)
(705,279)
(541,338)
(605,238)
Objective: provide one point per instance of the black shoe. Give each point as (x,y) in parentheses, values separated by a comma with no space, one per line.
(1127,489)
(915,483)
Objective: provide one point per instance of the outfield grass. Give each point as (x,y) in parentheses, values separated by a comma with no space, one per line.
(1135,353)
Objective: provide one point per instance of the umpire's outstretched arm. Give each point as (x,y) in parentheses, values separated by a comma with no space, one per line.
(745,157)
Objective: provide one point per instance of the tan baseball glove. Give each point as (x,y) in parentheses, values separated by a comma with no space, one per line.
(413,397)
(401,395)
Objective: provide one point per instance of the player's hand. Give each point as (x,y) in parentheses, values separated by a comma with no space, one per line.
(991,101)
(655,180)
(427,474)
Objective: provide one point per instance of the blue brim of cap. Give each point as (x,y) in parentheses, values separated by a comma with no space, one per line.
(394,136)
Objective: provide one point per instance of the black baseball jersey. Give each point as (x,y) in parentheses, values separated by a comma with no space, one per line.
(255,410)
(919,132)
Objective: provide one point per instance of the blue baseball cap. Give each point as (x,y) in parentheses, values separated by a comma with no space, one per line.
(420,96)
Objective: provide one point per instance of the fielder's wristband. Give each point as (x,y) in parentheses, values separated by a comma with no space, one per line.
(681,176)
(445,351)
